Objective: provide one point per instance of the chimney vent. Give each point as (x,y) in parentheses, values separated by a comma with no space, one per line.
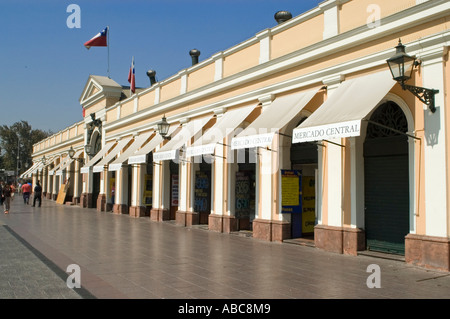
(282,16)
(194,53)
(151,74)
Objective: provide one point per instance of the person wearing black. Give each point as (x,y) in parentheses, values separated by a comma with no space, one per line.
(6,196)
(37,194)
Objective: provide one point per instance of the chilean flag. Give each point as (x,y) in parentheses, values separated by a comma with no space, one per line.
(99,40)
(131,78)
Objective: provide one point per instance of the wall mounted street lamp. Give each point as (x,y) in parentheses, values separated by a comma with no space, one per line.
(72,154)
(401,66)
(163,128)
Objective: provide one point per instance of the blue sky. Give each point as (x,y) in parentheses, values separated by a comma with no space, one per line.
(44,65)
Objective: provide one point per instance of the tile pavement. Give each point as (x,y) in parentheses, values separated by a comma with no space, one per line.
(127,258)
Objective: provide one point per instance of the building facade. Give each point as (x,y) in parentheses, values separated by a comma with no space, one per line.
(300,131)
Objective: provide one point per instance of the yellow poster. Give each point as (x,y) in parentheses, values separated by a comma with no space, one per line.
(309,204)
(147,200)
(290,191)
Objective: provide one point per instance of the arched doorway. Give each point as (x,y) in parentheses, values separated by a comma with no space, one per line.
(96,146)
(386,180)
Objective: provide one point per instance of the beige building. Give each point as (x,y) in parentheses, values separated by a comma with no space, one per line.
(298,132)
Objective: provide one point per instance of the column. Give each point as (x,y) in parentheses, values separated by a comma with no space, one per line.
(86,196)
(121,197)
(432,249)
(44,182)
(230,168)
(104,186)
(219,195)
(55,186)
(77,183)
(328,234)
(49,185)
(138,208)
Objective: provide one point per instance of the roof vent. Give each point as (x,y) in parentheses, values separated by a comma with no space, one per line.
(194,53)
(151,74)
(282,16)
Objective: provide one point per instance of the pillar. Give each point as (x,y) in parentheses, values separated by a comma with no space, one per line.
(137,208)
(77,183)
(121,197)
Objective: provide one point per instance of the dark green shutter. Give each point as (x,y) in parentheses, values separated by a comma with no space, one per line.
(387,203)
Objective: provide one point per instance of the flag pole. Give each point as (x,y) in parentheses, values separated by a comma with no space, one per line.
(108,50)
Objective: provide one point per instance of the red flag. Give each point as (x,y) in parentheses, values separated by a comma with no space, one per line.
(99,40)
(131,77)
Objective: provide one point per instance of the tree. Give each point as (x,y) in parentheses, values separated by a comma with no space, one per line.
(16,142)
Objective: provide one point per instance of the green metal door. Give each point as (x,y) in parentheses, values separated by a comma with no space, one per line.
(386,180)
(387,203)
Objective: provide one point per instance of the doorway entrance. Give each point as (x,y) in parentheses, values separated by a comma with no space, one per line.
(174,189)
(386,180)
(304,159)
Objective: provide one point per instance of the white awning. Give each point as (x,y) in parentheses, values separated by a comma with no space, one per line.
(279,113)
(224,126)
(140,156)
(28,172)
(47,163)
(138,142)
(100,166)
(341,114)
(68,162)
(57,166)
(169,151)
(108,146)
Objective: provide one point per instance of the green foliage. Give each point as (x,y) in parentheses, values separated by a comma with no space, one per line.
(16,142)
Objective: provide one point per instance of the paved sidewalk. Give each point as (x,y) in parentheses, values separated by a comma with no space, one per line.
(26,274)
(122,257)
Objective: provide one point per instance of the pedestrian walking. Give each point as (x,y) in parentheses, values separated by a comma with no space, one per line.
(37,194)
(26,190)
(1,193)
(6,195)
(13,191)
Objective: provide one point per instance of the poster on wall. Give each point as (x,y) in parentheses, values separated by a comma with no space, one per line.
(174,190)
(201,192)
(308,203)
(148,190)
(112,189)
(291,194)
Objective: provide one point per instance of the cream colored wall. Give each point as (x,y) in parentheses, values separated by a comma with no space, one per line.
(201,77)
(170,90)
(127,108)
(96,107)
(241,60)
(297,37)
(146,100)
(356,13)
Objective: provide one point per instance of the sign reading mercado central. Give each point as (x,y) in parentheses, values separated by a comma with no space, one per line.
(325,132)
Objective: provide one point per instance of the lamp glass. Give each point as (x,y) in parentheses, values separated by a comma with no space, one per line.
(71,152)
(163,127)
(401,65)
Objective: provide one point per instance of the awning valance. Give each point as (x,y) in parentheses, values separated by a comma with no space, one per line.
(57,166)
(224,126)
(140,156)
(29,171)
(169,151)
(108,146)
(279,113)
(100,166)
(138,142)
(68,162)
(341,114)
